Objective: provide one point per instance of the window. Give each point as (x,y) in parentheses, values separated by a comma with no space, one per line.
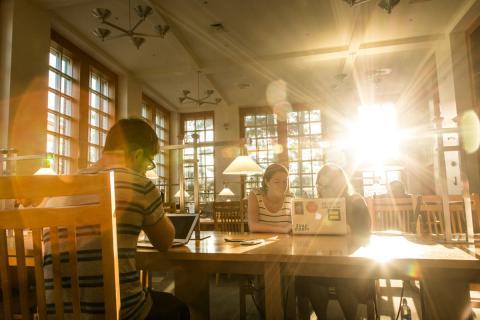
(375,140)
(296,141)
(61,105)
(100,114)
(375,182)
(202,124)
(81,106)
(305,156)
(260,131)
(159,119)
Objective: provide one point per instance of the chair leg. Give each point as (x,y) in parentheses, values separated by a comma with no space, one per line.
(371,310)
(243,305)
(303,308)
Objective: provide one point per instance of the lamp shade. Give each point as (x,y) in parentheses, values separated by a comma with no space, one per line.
(185,194)
(226,192)
(243,165)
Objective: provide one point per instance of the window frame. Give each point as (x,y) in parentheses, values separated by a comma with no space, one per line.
(199,116)
(74,117)
(84,64)
(155,110)
(282,131)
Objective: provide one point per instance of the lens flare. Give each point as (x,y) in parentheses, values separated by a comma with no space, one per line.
(470,131)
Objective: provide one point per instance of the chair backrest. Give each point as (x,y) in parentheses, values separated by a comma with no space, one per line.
(228,217)
(24,249)
(392,213)
(431,209)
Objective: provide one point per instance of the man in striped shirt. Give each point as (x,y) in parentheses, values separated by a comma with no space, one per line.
(129,149)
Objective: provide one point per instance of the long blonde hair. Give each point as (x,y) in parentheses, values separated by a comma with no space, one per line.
(338,174)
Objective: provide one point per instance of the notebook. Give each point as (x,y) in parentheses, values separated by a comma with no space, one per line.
(184,225)
(319,216)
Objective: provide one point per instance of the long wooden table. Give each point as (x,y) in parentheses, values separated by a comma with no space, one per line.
(445,271)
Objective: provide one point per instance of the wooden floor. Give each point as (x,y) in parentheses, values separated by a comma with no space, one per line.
(224,299)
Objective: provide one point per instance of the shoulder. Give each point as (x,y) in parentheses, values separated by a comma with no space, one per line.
(357,201)
(125,178)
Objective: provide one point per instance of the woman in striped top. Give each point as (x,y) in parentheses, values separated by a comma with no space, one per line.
(269,208)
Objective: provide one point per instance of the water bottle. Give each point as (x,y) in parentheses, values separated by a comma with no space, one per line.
(406,313)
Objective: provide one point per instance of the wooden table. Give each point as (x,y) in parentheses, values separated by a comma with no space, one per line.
(445,271)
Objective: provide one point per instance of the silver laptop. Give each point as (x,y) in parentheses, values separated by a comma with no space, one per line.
(319,216)
(184,225)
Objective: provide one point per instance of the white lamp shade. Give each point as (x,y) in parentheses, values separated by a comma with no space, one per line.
(185,194)
(226,192)
(243,165)
(45,172)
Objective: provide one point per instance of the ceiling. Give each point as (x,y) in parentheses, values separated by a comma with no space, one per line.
(322,52)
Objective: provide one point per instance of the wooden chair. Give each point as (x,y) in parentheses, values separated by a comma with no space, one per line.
(393,213)
(228,217)
(15,251)
(431,208)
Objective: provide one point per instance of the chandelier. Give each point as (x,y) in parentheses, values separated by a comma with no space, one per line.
(186,98)
(384,4)
(137,38)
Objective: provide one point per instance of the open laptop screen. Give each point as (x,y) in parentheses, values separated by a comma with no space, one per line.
(184,225)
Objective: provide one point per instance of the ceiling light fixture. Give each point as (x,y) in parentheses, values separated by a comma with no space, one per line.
(387,5)
(137,38)
(186,98)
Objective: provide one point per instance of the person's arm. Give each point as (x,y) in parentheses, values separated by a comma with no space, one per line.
(360,222)
(158,227)
(161,233)
(255,226)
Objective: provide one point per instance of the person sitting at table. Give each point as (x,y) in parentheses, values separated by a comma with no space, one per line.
(396,189)
(129,149)
(269,208)
(333,182)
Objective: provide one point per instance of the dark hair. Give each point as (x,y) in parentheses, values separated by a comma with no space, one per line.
(269,172)
(132,134)
(396,188)
(336,173)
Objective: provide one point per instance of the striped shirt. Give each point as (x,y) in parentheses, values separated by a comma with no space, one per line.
(272,218)
(138,204)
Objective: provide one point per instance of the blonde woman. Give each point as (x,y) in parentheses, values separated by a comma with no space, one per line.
(333,182)
(269,208)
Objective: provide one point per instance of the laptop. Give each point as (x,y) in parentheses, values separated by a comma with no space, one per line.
(184,225)
(326,216)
